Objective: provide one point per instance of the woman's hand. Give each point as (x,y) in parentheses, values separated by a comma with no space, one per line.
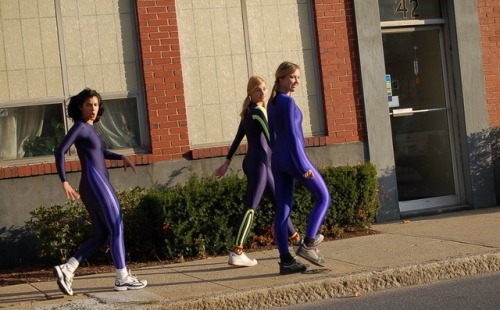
(309,174)
(128,163)
(70,192)
(219,173)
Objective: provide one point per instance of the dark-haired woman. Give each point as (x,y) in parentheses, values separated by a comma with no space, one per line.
(96,192)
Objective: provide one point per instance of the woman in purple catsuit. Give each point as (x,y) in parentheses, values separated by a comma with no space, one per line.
(256,167)
(289,162)
(97,193)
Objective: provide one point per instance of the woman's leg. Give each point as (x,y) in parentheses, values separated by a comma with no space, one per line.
(284,195)
(110,212)
(270,193)
(256,185)
(319,191)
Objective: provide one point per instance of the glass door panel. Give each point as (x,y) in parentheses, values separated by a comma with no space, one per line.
(419,109)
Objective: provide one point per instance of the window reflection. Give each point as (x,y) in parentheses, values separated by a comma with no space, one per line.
(30,131)
(119,125)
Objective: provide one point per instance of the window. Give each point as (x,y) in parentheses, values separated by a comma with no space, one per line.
(49,51)
(119,124)
(30,130)
(222,43)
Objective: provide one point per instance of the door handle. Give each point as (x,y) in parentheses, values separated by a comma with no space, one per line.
(410,111)
(402,112)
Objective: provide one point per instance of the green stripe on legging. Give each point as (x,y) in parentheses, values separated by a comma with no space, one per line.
(245,226)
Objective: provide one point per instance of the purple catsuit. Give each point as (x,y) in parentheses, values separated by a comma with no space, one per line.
(289,162)
(256,163)
(96,192)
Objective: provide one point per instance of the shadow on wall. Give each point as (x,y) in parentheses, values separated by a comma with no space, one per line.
(18,247)
(481,178)
(495,150)
(387,195)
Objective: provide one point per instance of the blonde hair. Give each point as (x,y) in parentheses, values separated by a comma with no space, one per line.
(253,82)
(284,69)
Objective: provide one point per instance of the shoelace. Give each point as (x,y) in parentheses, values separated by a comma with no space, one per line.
(131,277)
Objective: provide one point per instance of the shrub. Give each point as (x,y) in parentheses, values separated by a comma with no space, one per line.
(199,218)
(59,229)
(196,219)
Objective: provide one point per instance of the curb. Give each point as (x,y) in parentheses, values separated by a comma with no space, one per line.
(350,285)
(343,286)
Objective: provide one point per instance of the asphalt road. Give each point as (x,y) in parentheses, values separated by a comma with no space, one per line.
(475,292)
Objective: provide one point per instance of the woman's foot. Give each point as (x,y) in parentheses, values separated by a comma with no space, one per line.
(294,266)
(129,283)
(311,254)
(64,279)
(241,260)
(319,238)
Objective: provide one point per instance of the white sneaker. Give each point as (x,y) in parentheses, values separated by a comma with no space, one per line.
(64,279)
(319,238)
(241,260)
(129,283)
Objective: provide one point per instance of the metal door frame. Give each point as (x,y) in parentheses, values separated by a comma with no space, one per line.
(440,201)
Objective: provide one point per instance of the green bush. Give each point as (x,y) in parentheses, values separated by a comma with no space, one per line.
(59,229)
(199,218)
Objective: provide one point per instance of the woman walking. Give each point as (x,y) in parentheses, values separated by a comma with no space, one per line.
(256,167)
(289,162)
(96,192)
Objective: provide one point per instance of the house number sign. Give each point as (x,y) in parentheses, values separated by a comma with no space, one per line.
(408,9)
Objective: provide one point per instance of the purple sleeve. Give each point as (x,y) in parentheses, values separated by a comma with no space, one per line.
(110,155)
(236,142)
(75,131)
(297,139)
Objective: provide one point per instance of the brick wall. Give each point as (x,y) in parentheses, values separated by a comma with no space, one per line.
(162,71)
(489,20)
(339,70)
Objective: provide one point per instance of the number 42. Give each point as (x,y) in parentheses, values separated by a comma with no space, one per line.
(403,7)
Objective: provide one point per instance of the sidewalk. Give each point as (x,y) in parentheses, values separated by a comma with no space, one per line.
(415,251)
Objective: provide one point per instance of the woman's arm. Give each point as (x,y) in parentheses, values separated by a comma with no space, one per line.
(59,154)
(240,134)
(297,150)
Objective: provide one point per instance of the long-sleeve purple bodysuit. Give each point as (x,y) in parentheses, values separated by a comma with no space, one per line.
(96,192)
(289,162)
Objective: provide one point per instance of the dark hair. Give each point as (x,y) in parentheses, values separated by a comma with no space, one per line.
(76,102)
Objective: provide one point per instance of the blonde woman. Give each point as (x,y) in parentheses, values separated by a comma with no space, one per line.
(289,164)
(256,166)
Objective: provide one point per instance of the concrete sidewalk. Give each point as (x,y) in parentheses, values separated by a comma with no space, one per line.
(410,252)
